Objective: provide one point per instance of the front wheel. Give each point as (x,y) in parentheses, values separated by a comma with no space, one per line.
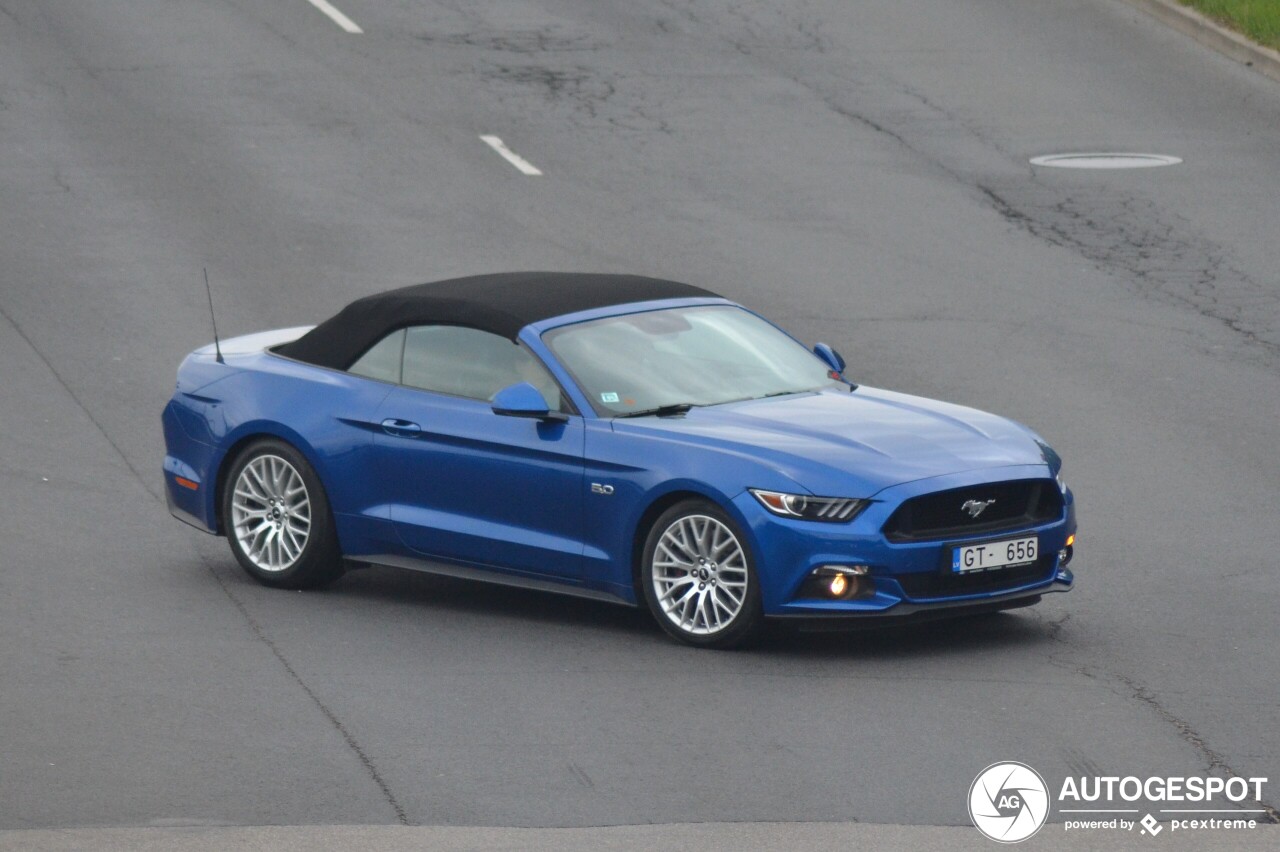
(277,518)
(699,577)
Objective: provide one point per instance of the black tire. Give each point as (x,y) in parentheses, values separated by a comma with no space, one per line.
(318,560)
(699,598)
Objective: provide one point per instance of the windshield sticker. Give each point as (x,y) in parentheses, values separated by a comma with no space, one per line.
(608,397)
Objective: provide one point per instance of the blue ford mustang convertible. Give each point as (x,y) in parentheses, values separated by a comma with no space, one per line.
(622,438)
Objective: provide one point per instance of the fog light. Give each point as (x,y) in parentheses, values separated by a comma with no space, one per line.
(1065,554)
(838,582)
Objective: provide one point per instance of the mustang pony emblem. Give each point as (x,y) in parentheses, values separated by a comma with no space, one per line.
(975,507)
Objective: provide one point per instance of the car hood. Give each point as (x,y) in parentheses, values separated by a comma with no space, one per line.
(841,443)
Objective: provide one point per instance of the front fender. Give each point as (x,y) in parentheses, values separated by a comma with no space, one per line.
(628,474)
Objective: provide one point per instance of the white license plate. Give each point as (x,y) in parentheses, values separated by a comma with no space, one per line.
(995,554)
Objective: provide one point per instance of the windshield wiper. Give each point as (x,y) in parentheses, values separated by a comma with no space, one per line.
(667,410)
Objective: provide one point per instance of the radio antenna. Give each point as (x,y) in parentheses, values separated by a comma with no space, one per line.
(217,347)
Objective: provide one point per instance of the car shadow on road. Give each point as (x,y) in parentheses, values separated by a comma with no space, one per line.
(958,635)
(504,604)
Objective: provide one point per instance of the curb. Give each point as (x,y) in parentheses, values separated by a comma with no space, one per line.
(1230,44)
(707,836)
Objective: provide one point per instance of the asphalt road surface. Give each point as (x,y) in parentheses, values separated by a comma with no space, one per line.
(858,171)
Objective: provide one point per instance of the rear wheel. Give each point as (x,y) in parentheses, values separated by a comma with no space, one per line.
(699,577)
(277,518)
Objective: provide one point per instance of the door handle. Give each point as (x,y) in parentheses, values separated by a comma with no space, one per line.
(401,428)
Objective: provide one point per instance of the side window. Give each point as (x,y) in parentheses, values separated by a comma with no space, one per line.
(382,361)
(470,363)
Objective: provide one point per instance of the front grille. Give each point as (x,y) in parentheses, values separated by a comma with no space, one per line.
(940,515)
(931,584)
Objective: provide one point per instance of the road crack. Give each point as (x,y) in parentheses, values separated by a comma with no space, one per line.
(1215,761)
(261,635)
(1127,235)
(401,815)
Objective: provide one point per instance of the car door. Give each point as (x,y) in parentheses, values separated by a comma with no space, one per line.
(465,484)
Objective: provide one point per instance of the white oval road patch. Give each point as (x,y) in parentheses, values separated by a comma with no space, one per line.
(1105,161)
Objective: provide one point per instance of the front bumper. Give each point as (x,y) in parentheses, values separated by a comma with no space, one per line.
(910,578)
(912,613)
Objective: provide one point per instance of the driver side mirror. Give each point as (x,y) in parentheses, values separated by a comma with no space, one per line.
(830,356)
(524,400)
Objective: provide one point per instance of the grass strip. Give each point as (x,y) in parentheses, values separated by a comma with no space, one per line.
(1258,19)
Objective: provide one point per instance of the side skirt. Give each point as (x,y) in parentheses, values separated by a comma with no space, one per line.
(484,575)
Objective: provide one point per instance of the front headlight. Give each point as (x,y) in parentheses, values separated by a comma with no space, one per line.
(1062,483)
(805,507)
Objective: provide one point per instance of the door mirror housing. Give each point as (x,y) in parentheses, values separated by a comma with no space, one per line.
(830,356)
(524,400)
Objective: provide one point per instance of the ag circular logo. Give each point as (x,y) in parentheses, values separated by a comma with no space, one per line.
(1008,802)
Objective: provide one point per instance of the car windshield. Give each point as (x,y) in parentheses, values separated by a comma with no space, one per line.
(671,359)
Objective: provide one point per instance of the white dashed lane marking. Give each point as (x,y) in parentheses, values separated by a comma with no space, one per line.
(336,16)
(511,156)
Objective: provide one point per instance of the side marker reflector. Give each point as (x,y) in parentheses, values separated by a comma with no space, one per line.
(186,483)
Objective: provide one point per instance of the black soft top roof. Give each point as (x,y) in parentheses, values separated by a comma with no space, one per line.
(502,304)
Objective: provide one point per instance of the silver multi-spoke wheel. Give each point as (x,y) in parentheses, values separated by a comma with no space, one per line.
(700,574)
(271,512)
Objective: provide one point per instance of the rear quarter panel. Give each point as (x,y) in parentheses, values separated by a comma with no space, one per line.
(327,415)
